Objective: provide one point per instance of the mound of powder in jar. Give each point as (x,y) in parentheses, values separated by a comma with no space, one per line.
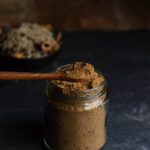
(80,70)
(27,38)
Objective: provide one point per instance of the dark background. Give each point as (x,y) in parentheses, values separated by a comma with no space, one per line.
(123,56)
(79,14)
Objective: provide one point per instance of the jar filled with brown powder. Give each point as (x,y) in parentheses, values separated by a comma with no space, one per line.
(75,116)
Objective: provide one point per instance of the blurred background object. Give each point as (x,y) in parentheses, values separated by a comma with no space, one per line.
(16,11)
(79,14)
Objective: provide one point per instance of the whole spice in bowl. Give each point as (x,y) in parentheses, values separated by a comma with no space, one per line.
(1,30)
(75,116)
(46,46)
(29,40)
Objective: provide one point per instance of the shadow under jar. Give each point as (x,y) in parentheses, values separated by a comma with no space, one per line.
(75,120)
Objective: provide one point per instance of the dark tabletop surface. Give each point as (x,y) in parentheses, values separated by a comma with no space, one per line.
(124,57)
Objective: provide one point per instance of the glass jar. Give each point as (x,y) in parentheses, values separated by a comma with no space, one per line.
(75,120)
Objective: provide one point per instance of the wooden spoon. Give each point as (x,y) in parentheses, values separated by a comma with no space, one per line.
(4,75)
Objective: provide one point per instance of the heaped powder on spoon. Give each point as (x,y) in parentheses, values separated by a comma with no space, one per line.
(80,70)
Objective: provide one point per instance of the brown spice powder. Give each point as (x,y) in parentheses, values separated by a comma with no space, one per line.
(80,70)
(71,126)
(68,130)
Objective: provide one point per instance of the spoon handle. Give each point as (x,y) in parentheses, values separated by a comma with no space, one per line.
(6,75)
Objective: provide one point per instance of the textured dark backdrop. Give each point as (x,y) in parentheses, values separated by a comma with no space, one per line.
(124,57)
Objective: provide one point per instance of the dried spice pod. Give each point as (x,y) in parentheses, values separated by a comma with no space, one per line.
(46,46)
(14,53)
(59,36)
(1,30)
(19,55)
(58,42)
(57,47)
